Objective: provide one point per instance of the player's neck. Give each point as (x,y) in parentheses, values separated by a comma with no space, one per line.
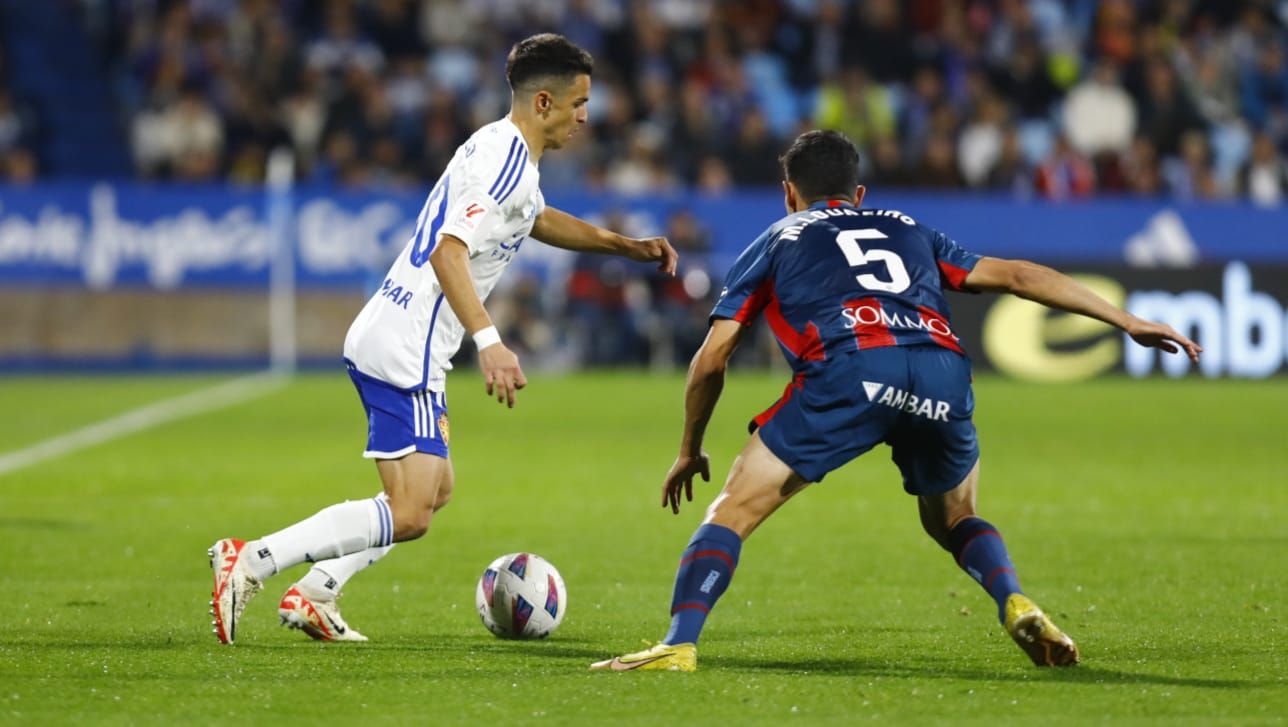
(825,202)
(531,132)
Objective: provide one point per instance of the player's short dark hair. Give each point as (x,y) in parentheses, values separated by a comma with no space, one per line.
(547,54)
(822,164)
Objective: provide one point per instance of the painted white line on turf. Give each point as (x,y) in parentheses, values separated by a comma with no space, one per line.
(146,417)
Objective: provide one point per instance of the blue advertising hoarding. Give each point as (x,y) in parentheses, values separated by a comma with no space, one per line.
(1215,271)
(105,236)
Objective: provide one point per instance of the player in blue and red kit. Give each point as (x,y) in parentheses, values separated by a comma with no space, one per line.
(855,298)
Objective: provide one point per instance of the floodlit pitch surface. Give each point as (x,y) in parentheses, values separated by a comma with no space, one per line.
(1147,517)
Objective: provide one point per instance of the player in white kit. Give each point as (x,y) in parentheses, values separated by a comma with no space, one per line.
(399,348)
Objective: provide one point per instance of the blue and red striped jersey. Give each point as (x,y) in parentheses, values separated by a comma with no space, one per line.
(837,278)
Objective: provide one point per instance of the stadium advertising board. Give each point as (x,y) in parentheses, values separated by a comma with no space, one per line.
(1224,279)
(110,235)
(1237,312)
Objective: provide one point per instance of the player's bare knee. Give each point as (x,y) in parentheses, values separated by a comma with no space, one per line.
(444,496)
(446,484)
(411,519)
(411,526)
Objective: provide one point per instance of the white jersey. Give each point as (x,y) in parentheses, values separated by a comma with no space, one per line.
(487,197)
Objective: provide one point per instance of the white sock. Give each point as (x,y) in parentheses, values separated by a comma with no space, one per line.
(325,579)
(349,527)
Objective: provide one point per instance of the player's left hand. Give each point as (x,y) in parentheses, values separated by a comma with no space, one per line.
(1161,335)
(654,249)
(501,373)
(681,478)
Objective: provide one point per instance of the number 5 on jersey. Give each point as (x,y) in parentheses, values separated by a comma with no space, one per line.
(848,241)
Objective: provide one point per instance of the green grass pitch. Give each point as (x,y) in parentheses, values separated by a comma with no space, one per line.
(1147,517)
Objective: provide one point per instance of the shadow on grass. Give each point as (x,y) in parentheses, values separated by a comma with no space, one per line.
(475,650)
(563,648)
(453,647)
(31,523)
(442,647)
(1081,674)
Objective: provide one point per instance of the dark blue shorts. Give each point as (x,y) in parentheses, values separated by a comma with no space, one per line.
(917,399)
(400,422)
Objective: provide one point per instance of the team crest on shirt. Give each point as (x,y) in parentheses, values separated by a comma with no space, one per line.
(443,429)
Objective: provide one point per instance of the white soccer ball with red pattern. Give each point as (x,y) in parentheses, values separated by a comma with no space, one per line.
(521,596)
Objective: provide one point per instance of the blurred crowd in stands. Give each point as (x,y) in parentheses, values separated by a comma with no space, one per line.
(1053,98)
(18,127)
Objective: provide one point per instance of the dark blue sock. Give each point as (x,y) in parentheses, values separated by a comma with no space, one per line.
(705,571)
(979,550)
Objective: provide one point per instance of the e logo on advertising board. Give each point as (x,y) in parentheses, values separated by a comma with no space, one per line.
(1030,341)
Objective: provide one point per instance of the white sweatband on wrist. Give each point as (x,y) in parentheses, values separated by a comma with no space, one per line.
(486,337)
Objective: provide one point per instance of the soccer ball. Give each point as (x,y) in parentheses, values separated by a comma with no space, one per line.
(521,596)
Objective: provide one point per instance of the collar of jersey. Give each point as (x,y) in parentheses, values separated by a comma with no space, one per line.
(825,203)
(517,130)
(519,133)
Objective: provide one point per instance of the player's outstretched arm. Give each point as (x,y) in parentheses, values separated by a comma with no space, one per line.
(701,392)
(1054,289)
(451,262)
(558,228)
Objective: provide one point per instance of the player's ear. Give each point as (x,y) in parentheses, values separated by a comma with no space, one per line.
(859,191)
(542,103)
(789,197)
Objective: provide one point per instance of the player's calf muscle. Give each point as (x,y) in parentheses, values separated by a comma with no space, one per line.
(759,483)
(941,513)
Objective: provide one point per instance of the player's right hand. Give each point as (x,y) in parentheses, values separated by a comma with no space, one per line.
(681,478)
(1161,335)
(655,250)
(502,373)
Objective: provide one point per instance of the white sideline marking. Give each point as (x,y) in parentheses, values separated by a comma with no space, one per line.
(146,417)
